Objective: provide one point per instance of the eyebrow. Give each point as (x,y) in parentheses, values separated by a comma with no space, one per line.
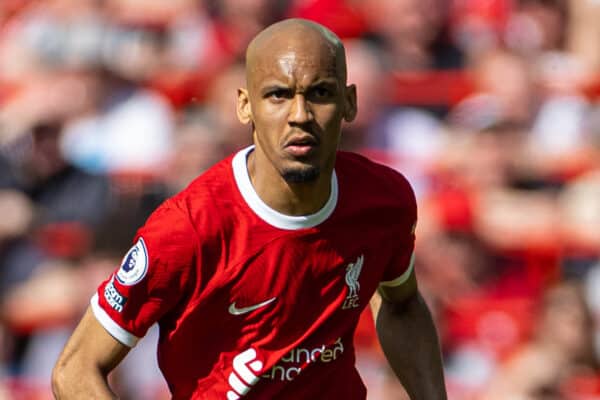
(270,86)
(325,82)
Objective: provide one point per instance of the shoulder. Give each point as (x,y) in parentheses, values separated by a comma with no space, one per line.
(208,191)
(168,226)
(371,177)
(205,206)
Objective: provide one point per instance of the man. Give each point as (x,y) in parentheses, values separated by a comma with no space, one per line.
(257,272)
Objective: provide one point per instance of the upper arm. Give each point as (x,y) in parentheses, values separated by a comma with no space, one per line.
(395,292)
(398,283)
(400,289)
(83,366)
(91,347)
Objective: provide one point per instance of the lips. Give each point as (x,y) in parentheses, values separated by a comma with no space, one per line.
(301,146)
(304,140)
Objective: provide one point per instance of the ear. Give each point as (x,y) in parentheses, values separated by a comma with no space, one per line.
(244,111)
(350,106)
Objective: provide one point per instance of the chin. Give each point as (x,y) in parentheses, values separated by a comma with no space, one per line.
(301,175)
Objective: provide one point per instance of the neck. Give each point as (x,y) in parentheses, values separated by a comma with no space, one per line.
(292,199)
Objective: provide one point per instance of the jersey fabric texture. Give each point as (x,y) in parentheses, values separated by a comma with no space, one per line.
(254,304)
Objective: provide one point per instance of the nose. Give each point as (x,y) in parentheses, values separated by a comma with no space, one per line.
(300,112)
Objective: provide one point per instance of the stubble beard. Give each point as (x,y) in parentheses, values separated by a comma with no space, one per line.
(301,175)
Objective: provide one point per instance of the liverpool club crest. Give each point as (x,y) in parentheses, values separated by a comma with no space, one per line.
(352,273)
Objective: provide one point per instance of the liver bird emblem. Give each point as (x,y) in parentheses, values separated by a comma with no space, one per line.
(352,274)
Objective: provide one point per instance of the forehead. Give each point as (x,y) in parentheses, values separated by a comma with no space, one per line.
(294,59)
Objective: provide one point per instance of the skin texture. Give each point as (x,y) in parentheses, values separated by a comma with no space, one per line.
(296,99)
(409,340)
(90,354)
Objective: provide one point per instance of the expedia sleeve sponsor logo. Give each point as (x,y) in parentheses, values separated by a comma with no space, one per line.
(135,264)
(115,299)
(299,358)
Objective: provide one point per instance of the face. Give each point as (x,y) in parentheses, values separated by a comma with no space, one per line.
(296,100)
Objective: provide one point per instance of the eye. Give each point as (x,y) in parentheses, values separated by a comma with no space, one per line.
(321,92)
(278,94)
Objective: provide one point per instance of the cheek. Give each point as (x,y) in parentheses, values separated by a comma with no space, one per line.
(328,115)
(330,124)
(269,129)
(266,124)
(270,117)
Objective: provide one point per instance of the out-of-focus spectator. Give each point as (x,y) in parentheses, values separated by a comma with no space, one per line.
(237,21)
(477,25)
(365,70)
(561,348)
(504,91)
(537,26)
(412,33)
(544,102)
(56,208)
(220,106)
(580,214)
(497,244)
(18,214)
(129,131)
(406,138)
(117,124)
(584,33)
(197,146)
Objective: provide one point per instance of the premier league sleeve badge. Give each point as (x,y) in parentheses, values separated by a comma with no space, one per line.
(135,264)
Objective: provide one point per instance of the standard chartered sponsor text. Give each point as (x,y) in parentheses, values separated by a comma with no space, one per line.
(296,360)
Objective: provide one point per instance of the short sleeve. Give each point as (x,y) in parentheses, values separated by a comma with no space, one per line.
(402,263)
(152,277)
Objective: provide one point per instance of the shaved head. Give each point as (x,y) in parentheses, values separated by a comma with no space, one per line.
(292,34)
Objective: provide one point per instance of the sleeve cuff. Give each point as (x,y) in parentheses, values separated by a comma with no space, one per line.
(111,326)
(402,278)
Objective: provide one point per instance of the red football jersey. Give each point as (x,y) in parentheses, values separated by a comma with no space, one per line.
(255,304)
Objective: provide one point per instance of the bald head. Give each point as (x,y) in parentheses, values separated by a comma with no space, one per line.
(293,35)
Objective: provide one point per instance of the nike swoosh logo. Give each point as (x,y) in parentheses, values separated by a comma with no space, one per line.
(233,310)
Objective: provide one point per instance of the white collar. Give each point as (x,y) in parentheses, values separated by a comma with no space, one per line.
(269,215)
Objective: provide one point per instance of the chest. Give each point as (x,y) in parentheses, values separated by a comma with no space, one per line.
(305,276)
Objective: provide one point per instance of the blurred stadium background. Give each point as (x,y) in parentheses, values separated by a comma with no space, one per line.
(490,108)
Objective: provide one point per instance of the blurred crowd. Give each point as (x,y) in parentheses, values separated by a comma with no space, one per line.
(491,108)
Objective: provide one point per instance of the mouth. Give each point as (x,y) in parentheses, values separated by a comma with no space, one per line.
(302,145)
